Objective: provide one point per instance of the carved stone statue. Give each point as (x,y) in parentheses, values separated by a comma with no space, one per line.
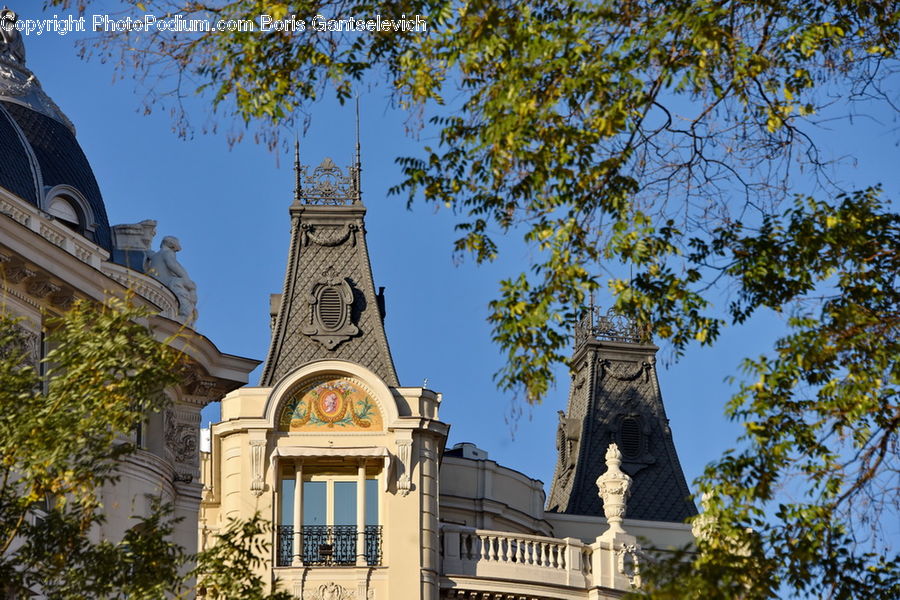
(11,45)
(165,267)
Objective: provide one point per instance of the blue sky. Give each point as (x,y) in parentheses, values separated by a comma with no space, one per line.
(229,208)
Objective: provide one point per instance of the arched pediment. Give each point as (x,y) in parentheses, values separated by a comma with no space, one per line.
(331,396)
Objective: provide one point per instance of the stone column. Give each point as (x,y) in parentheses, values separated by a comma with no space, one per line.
(298,514)
(361,514)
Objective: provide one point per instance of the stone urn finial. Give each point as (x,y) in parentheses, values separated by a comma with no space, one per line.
(614,488)
(703,523)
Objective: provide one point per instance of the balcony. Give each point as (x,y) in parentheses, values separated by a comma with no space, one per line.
(327,545)
(525,558)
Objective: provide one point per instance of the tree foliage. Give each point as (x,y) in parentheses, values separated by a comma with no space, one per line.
(230,568)
(65,424)
(799,508)
(63,427)
(666,149)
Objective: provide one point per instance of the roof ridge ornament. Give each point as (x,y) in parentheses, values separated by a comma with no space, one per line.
(17,83)
(611,326)
(298,186)
(358,158)
(11,45)
(328,184)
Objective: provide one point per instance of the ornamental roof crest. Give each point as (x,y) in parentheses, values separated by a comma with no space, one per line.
(17,83)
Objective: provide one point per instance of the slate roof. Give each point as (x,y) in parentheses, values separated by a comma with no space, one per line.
(612,381)
(17,165)
(37,153)
(327,237)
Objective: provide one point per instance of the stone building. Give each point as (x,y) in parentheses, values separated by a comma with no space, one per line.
(352,467)
(56,246)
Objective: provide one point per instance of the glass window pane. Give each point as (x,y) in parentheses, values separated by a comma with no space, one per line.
(287,502)
(371,502)
(314,503)
(345,503)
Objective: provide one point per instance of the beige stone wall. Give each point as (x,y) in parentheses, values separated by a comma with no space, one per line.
(256,446)
(485,495)
(45,267)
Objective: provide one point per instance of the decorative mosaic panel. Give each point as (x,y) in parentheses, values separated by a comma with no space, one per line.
(330,404)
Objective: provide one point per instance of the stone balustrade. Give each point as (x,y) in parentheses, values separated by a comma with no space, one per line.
(476,561)
(503,555)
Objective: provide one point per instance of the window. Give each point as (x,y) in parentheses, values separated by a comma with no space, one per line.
(330,533)
(331,308)
(148,434)
(140,432)
(65,211)
(630,438)
(69,207)
(39,511)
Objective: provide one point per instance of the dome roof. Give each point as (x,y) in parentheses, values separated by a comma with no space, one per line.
(40,159)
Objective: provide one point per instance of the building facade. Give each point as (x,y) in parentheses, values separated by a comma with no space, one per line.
(57,246)
(351,467)
(353,470)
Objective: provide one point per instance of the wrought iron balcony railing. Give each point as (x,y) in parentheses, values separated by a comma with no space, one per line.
(327,545)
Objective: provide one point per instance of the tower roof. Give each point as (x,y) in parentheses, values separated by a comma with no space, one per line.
(328,307)
(615,398)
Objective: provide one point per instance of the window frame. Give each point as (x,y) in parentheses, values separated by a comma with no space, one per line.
(330,474)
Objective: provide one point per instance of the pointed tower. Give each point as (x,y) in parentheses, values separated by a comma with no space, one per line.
(343,460)
(615,398)
(329,308)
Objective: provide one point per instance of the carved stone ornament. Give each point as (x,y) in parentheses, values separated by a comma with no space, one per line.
(181,440)
(63,298)
(404,465)
(628,563)
(257,452)
(330,303)
(41,287)
(328,235)
(330,591)
(27,343)
(614,489)
(134,236)
(568,435)
(13,270)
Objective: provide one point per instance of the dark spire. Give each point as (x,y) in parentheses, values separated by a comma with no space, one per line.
(328,307)
(615,397)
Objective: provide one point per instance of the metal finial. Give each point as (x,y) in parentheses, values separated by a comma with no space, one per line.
(591,308)
(358,160)
(297,170)
(357,133)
